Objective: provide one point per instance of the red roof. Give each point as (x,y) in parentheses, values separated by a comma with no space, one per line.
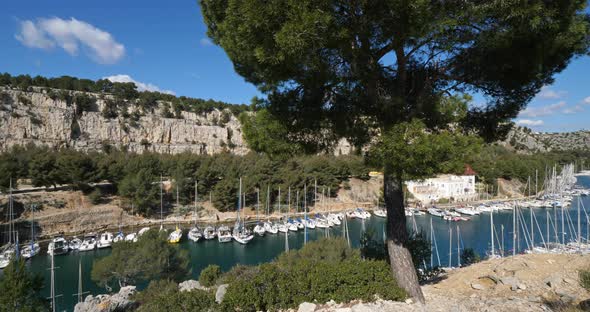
(469,171)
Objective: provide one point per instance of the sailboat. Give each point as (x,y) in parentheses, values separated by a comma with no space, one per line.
(8,251)
(176,235)
(89,243)
(195,233)
(32,249)
(259,228)
(380,212)
(291,224)
(269,227)
(240,233)
(283,226)
(119,237)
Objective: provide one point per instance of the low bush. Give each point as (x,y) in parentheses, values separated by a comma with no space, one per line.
(95,196)
(209,275)
(321,271)
(163,295)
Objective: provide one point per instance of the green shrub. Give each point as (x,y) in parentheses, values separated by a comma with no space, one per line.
(209,275)
(163,295)
(320,271)
(95,196)
(469,257)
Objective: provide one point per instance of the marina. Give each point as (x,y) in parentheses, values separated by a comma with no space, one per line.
(474,234)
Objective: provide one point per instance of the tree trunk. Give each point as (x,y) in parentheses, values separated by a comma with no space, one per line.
(400,258)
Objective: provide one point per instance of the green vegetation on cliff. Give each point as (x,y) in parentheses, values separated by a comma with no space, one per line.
(58,87)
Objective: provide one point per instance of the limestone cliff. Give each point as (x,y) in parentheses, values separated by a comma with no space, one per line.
(37,117)
(34,117)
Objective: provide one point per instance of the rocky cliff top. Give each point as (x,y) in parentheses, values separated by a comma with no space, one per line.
(524,140)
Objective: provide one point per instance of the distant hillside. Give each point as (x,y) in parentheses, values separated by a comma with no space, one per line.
(524,140)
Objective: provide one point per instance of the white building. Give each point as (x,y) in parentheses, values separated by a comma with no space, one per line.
(446,186)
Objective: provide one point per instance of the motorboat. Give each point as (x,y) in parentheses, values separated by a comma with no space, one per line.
(467,211)
(30,250)
(89,243)
(58,246)
(195,234)
(175,236)
(209,233)
(74,243)
(224,234)
(105,240)
(131,237)
(436,212)
(408,212)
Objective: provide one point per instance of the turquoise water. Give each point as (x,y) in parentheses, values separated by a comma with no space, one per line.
(474,234)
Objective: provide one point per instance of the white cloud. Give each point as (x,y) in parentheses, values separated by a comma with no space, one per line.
(529,122)
(205,42)
(70,35)
(141,86)
(33,37)
(573,110)
(543,110)
(586,101)
(547,93)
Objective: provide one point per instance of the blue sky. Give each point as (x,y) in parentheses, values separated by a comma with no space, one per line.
(162,46)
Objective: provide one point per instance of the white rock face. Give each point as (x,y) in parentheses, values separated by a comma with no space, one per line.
(44,121)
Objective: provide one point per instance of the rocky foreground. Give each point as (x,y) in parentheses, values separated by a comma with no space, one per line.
(521,283)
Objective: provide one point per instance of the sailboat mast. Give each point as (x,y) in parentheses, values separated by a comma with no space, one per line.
(289,201)
(79,281)
(492,233)
(502,250)
(450,247)
(532,230)
(579,225)
(305,213)
(257,204)
(514,229)
(161,203)
(562,226)
(239,199)
(547,222)
(52,284)
(431,244)
(196,199)
(279,199)
(458,248)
